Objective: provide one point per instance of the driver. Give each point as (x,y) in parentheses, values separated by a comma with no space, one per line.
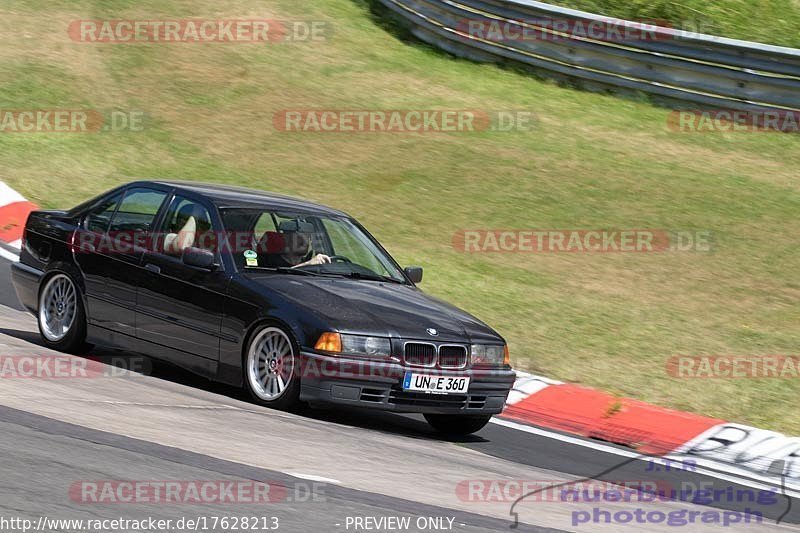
(297,251)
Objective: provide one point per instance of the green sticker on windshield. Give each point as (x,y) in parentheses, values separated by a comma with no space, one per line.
(250,258)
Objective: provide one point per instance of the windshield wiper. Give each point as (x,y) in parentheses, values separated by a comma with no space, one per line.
(371,277)
(286,270)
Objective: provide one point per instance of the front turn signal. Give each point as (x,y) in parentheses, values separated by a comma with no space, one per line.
(329,342)
(506,356)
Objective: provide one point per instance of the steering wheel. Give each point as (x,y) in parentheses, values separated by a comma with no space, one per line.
(340,259)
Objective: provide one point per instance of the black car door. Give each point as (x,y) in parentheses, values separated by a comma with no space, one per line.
(180,306)
(108,248)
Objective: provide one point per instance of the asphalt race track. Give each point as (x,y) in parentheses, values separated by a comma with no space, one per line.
(328,470)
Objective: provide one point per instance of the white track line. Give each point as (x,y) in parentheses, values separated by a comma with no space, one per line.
(10,256)
(312,477)
(9,195)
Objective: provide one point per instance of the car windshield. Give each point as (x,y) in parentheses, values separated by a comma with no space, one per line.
(261,238)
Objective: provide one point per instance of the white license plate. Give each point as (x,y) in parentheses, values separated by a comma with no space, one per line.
(435,384)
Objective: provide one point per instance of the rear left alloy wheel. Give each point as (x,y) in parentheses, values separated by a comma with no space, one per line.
(62,318)
(271,369)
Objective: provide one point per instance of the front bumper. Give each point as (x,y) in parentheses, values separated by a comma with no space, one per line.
(378,385)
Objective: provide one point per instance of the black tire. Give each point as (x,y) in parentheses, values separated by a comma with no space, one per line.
(458,425)
(74,341)
(289,398)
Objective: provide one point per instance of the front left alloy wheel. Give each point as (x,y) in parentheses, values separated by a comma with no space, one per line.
(272,368)
(61,316)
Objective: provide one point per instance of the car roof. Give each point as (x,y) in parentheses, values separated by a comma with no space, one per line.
(231,196)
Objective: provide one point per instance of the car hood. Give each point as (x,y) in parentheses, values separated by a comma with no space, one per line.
(378,308)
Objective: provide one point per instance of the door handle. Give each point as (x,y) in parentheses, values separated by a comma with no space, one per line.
(153,268)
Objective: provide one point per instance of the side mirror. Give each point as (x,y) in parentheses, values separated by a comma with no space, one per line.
(199,258)
(414,273)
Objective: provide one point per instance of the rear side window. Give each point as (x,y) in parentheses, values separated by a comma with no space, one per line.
(137,211)
(99,217)
(188,225)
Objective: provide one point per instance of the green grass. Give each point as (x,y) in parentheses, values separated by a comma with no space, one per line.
(766,21)
(592,161)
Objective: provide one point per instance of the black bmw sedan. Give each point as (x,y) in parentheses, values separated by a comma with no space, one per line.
(294,301)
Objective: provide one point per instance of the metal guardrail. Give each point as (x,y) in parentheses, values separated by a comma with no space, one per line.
(678,66)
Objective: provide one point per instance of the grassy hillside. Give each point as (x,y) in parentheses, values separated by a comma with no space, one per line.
(767,21)
(591,161)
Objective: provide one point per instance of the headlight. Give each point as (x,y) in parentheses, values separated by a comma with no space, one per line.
(358,345)
(371,346)
(489,355)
